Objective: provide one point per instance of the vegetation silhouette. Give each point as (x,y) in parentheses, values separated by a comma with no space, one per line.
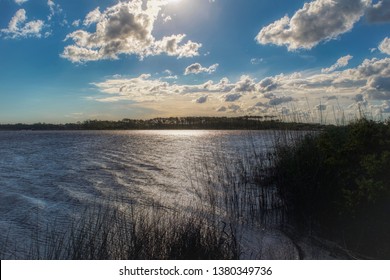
(216,123)
(336,184)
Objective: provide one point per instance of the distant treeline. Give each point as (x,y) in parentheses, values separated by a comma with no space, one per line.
(246,122)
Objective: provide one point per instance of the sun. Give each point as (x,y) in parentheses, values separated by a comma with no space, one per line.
(174,1)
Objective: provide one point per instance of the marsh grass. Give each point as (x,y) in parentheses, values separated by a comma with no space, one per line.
(107,233)
(237,186)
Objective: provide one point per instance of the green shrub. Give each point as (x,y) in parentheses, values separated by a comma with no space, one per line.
(337,182)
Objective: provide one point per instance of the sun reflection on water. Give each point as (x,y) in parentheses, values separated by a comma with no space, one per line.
(178,133)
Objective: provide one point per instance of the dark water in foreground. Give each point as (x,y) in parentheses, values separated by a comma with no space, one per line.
(49,177)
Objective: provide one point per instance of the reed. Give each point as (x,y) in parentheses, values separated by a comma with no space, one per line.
(107,233)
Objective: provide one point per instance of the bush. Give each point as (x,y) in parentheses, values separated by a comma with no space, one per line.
(337,183)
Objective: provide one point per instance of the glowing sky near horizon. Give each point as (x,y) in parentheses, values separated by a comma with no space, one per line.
(68,61)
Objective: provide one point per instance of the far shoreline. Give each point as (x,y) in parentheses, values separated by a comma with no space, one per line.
(183,123)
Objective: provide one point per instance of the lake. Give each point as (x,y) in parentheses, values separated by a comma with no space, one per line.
(50,177)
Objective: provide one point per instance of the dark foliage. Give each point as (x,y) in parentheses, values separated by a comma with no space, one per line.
(337,183)
(248,122)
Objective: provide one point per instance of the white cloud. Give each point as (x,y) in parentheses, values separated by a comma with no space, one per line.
(92,17)
(371,67)
(19,28)
(76,23)
(371,79)
(256,61)
(20,2)
(341,62)
(245,84)
(197,68)
(78,54)
(267,84)
(167,18)
(139,89)
(175,77)
(385,46)
(126,28)
(171,45)
(317,21)
(379,13)
(145,87)
(55,9)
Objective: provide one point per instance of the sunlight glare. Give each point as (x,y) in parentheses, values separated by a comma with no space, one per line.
(176,133)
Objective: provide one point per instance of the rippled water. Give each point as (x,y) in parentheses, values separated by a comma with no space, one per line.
(50,176)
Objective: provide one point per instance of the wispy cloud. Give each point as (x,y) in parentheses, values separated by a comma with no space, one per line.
(20,2)
(55,9)
(19,27)
(76,23)
(167,18)
(340,63)
(256,61)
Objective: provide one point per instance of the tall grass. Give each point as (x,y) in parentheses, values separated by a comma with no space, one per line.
(107,233)
(237,186)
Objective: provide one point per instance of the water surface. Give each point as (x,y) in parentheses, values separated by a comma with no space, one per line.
(51,176)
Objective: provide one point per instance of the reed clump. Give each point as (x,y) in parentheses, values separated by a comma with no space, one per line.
(136,233)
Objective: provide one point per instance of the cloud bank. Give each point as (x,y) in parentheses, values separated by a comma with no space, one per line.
(366,84)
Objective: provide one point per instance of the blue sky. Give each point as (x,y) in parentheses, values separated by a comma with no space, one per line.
(68,61)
